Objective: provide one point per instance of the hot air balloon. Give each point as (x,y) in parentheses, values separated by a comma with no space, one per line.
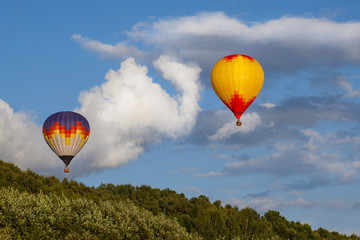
(237,80)
(66,134)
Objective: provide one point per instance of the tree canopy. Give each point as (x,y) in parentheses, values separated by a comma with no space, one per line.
(34,206)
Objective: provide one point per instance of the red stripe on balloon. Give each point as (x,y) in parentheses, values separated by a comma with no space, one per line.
(237,105)
(230,57)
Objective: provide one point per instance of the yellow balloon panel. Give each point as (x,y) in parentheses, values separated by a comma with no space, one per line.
(237,80)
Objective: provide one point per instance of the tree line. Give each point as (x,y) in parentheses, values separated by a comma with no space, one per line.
(40,207)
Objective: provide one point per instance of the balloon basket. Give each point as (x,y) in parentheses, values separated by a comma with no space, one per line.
(66,169)
(238,123)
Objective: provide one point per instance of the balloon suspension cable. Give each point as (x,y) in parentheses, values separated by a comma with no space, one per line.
(66,169)
(238,122)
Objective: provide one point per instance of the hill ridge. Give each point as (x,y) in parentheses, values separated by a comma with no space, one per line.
(194,217)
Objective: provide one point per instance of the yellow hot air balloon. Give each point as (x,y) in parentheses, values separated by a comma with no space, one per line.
(237,80)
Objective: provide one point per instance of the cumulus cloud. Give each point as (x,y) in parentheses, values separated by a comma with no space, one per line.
(21,140)
(130,110)
(126,113)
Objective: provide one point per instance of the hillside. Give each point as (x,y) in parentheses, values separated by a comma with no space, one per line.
(33,206)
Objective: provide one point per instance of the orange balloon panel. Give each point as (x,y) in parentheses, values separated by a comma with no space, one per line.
(237,80)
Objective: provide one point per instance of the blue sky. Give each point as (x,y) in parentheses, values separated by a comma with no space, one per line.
(139,71)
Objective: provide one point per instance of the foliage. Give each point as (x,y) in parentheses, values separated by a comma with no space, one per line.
(33,206)
(39,216)
(295,230)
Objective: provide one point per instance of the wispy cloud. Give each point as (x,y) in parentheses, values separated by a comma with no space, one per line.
(346,84)
(250,122)
(184,170)
(318,158)
(265,203)
(193,190)
(210,174)
(120,51)
(282,122)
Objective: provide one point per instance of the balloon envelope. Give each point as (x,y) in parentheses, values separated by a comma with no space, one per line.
(66,134)
(237,80)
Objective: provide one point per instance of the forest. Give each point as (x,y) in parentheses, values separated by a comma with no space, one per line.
(41,207)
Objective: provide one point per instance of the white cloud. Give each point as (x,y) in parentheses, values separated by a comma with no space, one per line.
(202,24)
(129,110)
(267,105)
(194,190)
(134,111)
(249,122)
(320,160)
(264,204)
(21,141)
(209,174)
(120,50)
(290,31)
(184,170)
(356,164)
(287,43)
(346,85)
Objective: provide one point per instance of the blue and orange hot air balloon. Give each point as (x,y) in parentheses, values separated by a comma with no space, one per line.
(237,80)
(66,134)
